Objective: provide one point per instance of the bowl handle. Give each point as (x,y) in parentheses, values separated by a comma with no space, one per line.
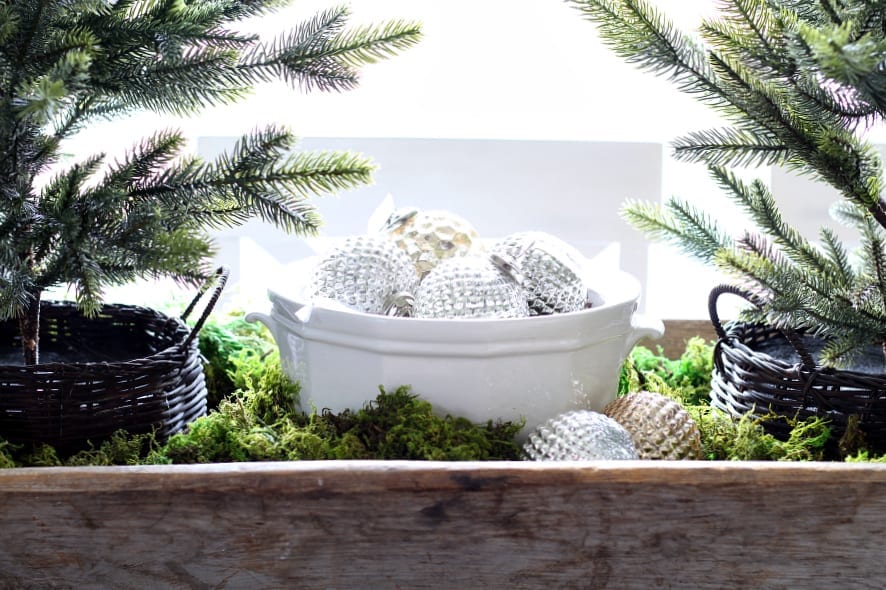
(268,321)
(643,326)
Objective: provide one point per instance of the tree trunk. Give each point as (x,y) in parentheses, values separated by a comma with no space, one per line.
(29,325)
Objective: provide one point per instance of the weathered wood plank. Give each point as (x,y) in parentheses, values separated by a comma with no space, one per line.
(677,334)
(354,524)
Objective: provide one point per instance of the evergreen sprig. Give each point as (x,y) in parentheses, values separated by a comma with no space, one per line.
(65,64)
(799,81)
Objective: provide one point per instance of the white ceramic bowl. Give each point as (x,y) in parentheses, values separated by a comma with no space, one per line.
(535,368)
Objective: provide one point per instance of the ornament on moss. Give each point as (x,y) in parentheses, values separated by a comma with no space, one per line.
(659,426)
(431,236)
(366,273)
(580,435)
(470,287)
(552,271)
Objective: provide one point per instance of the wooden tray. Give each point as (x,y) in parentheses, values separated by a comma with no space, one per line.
(351,524)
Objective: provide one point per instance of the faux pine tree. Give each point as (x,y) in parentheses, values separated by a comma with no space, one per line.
(800,81)
(65,64)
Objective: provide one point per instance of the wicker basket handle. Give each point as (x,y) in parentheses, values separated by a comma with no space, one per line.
(219,279)
(808,363)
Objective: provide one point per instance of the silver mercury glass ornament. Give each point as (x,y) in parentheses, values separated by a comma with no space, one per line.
(368,273)
(552,271)
(431,236)
(580,435)
(471,287)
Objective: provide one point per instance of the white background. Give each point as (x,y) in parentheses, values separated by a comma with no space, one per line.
(499,69)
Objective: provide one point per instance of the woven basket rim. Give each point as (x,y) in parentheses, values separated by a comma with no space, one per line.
(736,329)
(121,309)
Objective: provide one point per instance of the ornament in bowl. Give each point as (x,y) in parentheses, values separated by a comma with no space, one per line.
(471,348)
(429,237)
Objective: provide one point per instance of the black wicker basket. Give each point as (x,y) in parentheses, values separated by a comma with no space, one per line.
(129,368)
(747,379)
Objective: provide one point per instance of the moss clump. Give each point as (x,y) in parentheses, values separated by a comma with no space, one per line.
(228,349)
(121,448)
(689,376)
(395,425)
(7,460)
(744,439)
(864,456)
(400,425)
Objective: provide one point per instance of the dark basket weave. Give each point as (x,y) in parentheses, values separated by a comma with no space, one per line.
(746,380)
(129,368)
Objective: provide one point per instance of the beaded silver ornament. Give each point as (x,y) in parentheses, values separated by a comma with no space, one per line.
(366,273)
(580,435)
(470,287)
(431,236)
(552,271)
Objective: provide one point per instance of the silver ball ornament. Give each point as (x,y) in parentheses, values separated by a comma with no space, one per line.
(469,287)
(365,272)
(429,237)
(552,271)
(580,435)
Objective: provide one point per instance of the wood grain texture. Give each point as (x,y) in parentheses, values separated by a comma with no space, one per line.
(677,334)
(349,524)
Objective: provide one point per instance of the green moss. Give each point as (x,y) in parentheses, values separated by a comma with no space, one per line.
(864,456)
(121,449)
(266,390)
(400,425)
(689,377)
(229,348)
(41,455)
(744,439)
(7,460)
(225,435)
(395,425)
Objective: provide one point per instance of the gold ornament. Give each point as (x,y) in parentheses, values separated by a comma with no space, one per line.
(431,236)
(659,426)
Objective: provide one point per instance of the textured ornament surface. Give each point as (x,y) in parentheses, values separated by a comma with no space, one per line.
(552,270)
(469,287)
(364,272)
(431,236)
(580,435)
(659,426)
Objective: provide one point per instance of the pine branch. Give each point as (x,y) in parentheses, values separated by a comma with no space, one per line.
(839,259)
(66,63)
(679,224)
(855,61)
(793,298)
(839,351)
(85,274)
(15,292)
(644,37)
(873,250)
(183,86)
(751,31)
(760,204)
(731,147)
(320,54)
(848,213)
(257,179)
